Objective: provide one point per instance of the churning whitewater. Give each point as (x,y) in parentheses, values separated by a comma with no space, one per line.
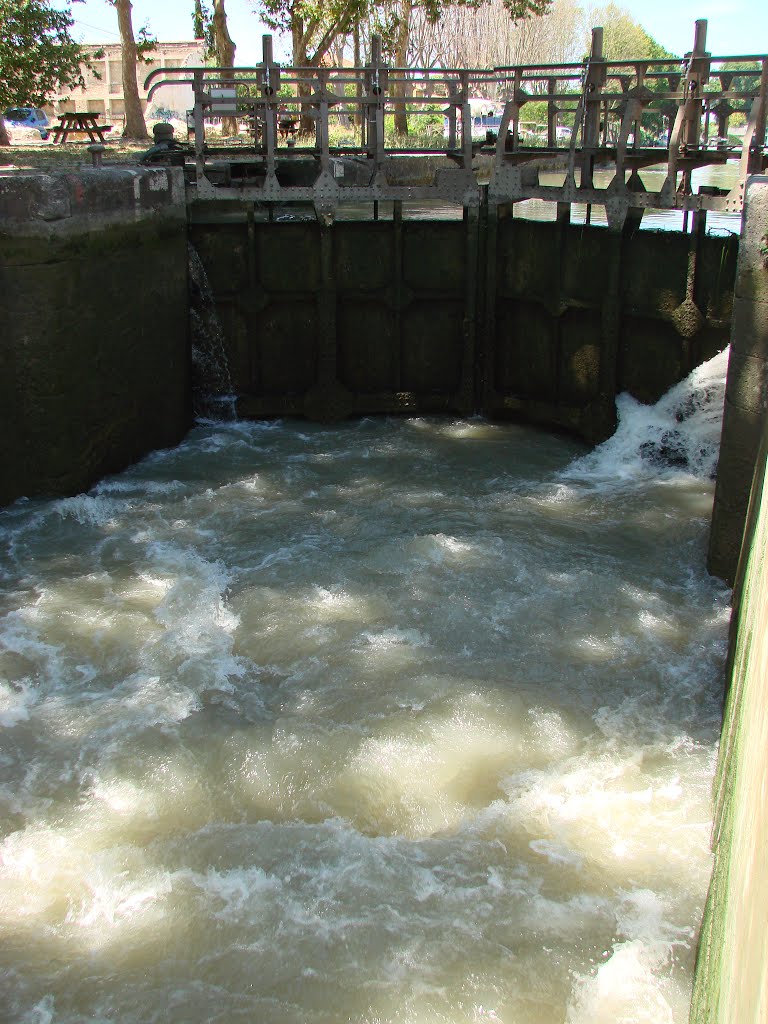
(405,721)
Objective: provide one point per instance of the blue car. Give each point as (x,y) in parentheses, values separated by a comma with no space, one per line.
(28,117)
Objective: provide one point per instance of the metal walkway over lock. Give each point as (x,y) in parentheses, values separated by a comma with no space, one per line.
(601,114)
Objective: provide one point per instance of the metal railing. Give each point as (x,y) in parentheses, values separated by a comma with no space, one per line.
(626,115)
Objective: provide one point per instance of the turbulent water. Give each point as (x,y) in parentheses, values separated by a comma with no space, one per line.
(407,721)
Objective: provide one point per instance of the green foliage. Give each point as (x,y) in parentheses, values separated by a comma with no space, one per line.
(198,20)
(145,43)
(37,52)
(516,9)
(312,24)
(202,26)
(623,37)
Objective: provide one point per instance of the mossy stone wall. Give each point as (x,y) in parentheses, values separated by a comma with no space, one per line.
(94,360)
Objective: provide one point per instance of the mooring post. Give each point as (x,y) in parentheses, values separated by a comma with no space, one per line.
(96,149)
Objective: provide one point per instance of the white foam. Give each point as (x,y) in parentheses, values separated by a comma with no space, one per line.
(16,700)
(90,510)
(396,637)
(235,893)
(681,431)
(625,990)
(43,1012)
(278,733)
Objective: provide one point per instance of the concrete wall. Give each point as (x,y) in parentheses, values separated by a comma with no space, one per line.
(731,984)
(746,396)
(94,363)
(512,318)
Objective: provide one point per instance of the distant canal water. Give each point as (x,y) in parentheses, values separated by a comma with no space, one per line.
(405,721)
(724,176)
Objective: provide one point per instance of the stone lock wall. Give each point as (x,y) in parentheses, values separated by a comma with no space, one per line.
(731,982)
(746,395)
(94,364)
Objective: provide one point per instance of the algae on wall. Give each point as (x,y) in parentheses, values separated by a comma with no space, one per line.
(731,983)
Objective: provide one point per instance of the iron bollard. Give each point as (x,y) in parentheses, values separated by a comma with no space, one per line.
(96,149)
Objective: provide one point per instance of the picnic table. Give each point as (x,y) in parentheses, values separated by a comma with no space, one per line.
(287,125)
(84,122)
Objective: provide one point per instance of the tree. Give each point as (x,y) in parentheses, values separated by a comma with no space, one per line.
(516,11)
(132,53)
(314,26)
(37,55)
(623,37)
(199,19)
(486,37)
(202,25)
(224,54)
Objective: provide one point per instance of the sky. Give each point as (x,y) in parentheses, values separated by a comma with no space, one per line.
(736,27)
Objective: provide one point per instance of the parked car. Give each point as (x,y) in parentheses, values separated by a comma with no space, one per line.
(28,117)
(484,123)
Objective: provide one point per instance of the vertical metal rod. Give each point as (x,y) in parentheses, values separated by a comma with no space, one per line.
(597,43)
(199,124)
(373,114)
(758,138)
(466,122)
(595,79)
(552,112)
(700,38)
(322,136)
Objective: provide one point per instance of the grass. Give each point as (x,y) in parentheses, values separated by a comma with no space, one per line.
(47,157)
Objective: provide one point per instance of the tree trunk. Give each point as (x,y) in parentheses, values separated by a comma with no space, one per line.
(135,127)
(357,60)
(225,57)
(401,58)
(4,137)
(301,60)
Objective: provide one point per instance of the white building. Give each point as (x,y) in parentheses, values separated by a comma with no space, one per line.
(103,95)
